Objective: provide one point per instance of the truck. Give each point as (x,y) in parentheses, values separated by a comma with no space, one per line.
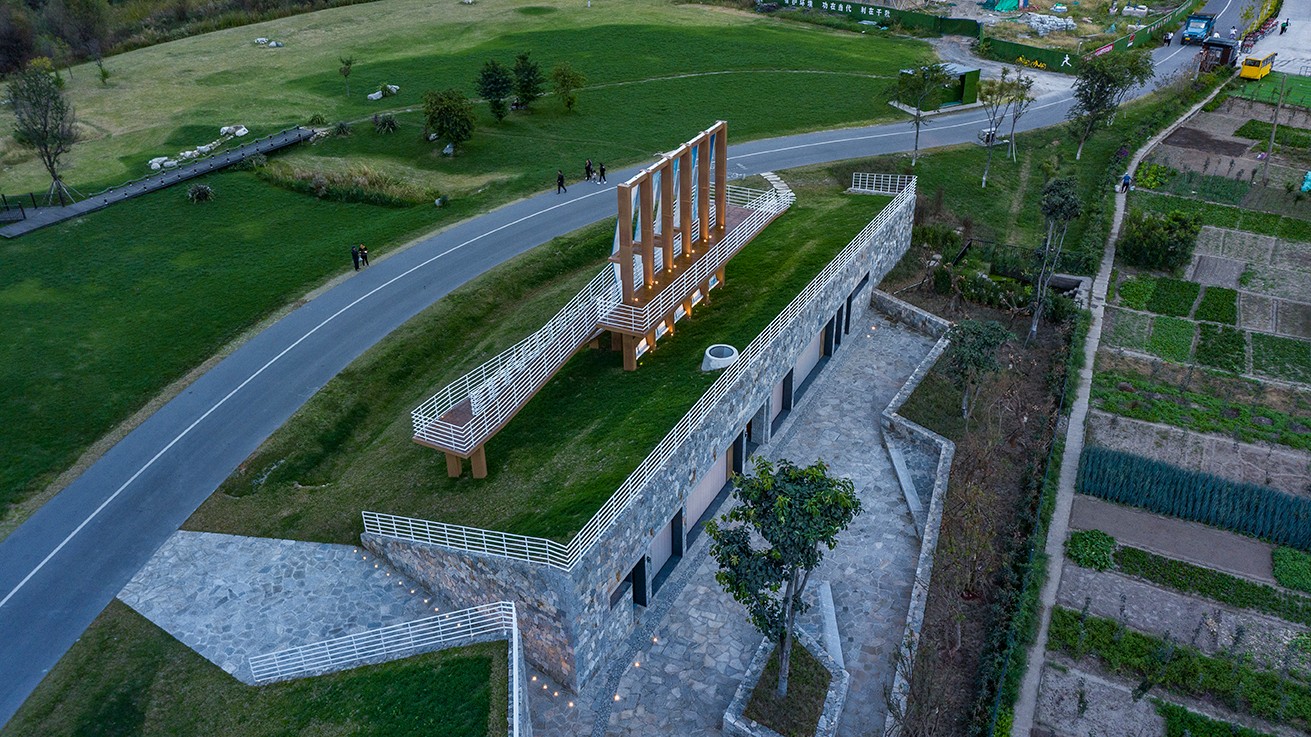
(1197,28)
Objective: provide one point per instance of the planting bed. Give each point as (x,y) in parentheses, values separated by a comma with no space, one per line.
(1172,338)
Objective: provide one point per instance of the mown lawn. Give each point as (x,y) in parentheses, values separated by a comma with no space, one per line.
(552,467)
(126,676)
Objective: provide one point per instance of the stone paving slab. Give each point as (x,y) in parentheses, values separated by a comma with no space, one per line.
(694,646)
(229,597)
(1174,538)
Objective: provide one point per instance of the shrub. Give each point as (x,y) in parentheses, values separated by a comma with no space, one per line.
(317,119)
(200,193)
(1219,305)
(1212,584)
(385,123)
(253,162)
(1153,176)
(1136,292)
(1179,722)
(1248,509)
(1172,339)
(357,184)
(1281,358)
(1222,347)
(1091,549)
(1173,297)
(1155,241)
(1292,569)
(342,128)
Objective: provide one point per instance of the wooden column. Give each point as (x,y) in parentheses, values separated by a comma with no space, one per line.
(625,254)
(685,200)
(667,215)
(454,465)
(703,155)
(721,177)
(479,462)
(630,353)
(646,211)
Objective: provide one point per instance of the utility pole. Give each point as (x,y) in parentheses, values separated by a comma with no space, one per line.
(1274,126)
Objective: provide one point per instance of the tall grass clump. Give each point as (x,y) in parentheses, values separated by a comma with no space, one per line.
(359,183)
(1258,511)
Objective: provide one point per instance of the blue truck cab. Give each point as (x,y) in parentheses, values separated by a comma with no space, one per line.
(1198,28)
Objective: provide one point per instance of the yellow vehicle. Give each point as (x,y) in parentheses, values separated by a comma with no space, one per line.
(1256,67)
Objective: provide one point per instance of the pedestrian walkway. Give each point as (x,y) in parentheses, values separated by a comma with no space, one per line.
(229,597)
(40,217)
(1175,538)
(681,669)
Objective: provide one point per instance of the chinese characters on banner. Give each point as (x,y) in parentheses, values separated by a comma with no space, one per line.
(840,7)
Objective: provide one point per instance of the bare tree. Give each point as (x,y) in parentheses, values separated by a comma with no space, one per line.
(920,90)
(996,97)
(45,121)
(1021,100)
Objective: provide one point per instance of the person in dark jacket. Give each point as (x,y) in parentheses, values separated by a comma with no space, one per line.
(364,254)
(559,182)
(355,257)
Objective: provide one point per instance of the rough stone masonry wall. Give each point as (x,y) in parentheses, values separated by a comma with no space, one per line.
(569,626)
(466,579)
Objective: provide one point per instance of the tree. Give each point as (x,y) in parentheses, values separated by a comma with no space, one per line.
(566,81)
(1060,204)
(1155,241)
(920,90)
(449,114)
(1101,85)
(996,96)
(17,37)
(528,80)
(345,70)
(972,357)
(45,120)
(1021,100)
(495,83)
(797,512)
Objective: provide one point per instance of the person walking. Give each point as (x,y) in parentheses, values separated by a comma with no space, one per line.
(355,257)
(1233,33)
(601,171)
(559,182)
(587,171)
(1124,182)
(364,254)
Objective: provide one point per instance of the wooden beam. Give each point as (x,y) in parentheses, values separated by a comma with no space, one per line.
(626,242)
(630,353)
(721,176)
(685,201)
(703,155)
(646,210)
(454,465)
(479,462)
(667,215)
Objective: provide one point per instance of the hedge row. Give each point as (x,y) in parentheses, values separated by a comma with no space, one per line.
(1248,509)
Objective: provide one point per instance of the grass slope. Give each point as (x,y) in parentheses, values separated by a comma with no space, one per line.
(125,676)
(568,450)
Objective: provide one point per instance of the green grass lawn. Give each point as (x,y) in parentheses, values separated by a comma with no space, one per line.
(568,450)
(125,676)
(1267,90)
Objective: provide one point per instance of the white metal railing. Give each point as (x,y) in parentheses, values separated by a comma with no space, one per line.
(546,552)
(765,206)
(880,183)
(490,621)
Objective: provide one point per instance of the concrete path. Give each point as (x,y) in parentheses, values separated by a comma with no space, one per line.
(60,568)
(1191,542)
(1060,526)
(1294,47)
(684,664)
(229,597)
(40,217)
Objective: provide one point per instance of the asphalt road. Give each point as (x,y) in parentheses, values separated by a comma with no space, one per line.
(65,564)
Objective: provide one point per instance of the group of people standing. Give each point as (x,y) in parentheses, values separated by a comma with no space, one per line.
(590,174)
(359,255)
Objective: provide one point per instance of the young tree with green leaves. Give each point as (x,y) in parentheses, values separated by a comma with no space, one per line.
(1060,205)
(345,71)
(495,84)
(972,357)
(44,120)
(797,513)
(1021,100)
(1101,85)
(566,81)
(449,114)
(996,97)
(921,90)
(528,80)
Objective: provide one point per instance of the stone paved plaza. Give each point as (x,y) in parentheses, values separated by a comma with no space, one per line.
(686,659)
(229,597)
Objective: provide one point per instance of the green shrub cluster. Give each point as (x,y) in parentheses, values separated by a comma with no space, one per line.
(1212,584)
(1144,399)
(1292,568)
(360,183)
(1229,189)
(1179,722)
(1173,297)
(1180,669)
(1249,509)
(1155,241)
(1172,339)
(1219,304)
(1224,216)
(1137,292)
(1281,358)
(1222,347)
(1091,549)
(1287,135)
(1153,175)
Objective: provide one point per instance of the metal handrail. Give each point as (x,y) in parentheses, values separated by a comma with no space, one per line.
(399,641)
(565,557)
(880,183)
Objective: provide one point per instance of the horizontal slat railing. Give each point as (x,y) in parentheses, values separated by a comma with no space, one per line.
(565,557)
(880,183)
(491,621)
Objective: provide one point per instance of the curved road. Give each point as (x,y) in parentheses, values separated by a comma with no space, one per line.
(65,564)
